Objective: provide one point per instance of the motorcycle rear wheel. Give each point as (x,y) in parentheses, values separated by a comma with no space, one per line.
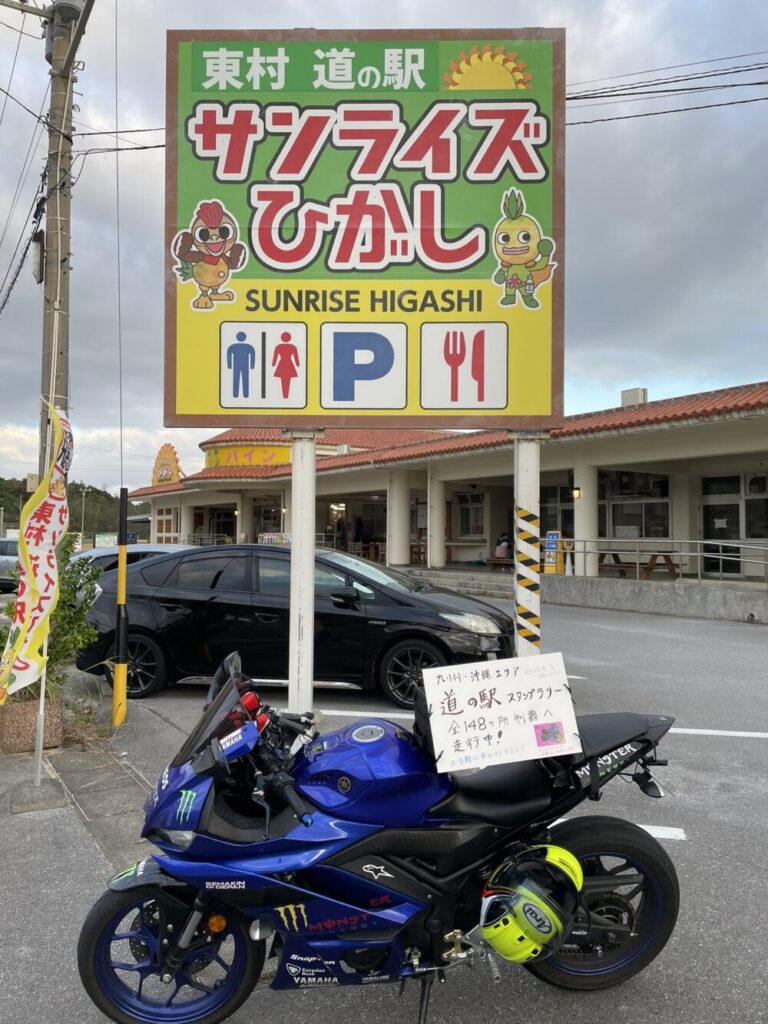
(118,952)
(645,895)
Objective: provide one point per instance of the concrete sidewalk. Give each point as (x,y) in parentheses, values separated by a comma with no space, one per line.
(52,872)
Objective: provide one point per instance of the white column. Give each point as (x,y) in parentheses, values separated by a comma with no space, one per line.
(585,520)
(527,547)
(153,522)
(680,517)
(398,518)
(436,522)
(186,524)
(287,513)
(302,614)
(243,519)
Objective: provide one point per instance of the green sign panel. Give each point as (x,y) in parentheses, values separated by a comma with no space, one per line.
(365,228)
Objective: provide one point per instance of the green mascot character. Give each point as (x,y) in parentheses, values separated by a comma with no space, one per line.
(524,254)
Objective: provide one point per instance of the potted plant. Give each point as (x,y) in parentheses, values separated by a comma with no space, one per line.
(70,632)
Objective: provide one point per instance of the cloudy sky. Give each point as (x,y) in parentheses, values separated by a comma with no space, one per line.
(667,220)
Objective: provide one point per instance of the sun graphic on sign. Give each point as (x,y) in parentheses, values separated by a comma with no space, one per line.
(488,68)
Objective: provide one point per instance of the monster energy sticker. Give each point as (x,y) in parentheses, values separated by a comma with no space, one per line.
(187,799)
(293,916)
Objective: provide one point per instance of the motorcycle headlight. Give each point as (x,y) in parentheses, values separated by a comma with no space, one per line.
(179,839)
(472,622)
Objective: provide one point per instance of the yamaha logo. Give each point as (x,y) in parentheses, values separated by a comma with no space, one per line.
(537,918)
(344,784)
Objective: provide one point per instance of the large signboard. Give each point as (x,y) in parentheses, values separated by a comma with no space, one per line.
(364,228)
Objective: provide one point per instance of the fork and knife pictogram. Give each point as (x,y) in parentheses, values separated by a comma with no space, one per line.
(455,352)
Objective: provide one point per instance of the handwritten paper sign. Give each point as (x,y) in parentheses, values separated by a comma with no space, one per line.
(497,712)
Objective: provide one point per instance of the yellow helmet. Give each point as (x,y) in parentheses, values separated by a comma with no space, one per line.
(529,902)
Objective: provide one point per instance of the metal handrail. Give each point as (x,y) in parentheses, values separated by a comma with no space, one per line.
(704,559)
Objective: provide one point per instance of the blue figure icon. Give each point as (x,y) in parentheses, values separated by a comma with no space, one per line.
(241,359)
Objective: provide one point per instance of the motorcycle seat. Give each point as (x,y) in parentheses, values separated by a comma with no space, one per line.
(504,794)
(601,734)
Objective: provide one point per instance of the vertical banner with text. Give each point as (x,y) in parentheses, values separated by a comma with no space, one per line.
(363,228)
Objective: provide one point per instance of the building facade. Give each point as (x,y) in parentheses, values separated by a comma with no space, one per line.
(685,476)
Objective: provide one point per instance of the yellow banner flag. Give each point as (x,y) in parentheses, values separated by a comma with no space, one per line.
(44,521)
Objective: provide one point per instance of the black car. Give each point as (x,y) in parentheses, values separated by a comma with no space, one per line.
(373,626)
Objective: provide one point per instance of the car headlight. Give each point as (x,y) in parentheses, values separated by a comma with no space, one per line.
(473,623)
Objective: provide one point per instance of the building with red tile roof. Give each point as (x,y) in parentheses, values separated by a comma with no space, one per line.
(693,467)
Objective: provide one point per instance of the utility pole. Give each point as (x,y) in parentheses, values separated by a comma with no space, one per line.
(64,22)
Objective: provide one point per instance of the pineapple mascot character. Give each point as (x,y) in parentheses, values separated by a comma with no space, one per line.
(208,253)
(523,253)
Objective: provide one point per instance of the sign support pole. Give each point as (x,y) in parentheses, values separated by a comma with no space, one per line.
(527,546)
(301,647)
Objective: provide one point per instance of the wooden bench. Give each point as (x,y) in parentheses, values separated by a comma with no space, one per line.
(642,568)
(499,563)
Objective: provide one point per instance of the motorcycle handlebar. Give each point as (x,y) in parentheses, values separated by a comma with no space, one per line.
(283,786)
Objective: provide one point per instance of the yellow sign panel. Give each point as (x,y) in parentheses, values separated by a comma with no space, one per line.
(248,455)
(166,469)
(364,230)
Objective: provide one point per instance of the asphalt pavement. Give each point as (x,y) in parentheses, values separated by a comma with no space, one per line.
(711,676)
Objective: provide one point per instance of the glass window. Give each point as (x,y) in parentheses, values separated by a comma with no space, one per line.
(275,577)
(105,562)
(548,494)
(326,581)
(471,520)
(721,485)
(155,574)
(548,518)
(656,519)
(756,517)
(232,576)
(206,572)
(628,520)
(602,520)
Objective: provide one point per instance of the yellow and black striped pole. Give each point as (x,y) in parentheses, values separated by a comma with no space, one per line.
(527,547)
(120,673)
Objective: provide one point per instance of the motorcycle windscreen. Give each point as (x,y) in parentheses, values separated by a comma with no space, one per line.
(222,715)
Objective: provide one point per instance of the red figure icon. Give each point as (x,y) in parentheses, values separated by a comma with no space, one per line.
(285,359)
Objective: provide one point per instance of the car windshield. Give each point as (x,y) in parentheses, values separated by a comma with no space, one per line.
(223,714)
(372,572)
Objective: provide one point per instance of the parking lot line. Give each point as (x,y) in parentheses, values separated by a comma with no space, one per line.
(663,831)
(722,732)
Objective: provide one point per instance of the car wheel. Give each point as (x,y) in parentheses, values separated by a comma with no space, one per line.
(146,667)
(401,667)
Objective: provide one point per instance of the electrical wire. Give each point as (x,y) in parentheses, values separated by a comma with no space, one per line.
(43,120)
(29,35)
(672,110)
(631,89)
(13,68)
(668,67)
(25,168)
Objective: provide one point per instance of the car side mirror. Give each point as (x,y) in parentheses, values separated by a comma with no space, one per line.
(345,596)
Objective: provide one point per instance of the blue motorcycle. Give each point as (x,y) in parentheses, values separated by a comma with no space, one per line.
(352,861)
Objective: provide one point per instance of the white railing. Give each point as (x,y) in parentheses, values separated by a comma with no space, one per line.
(695,559)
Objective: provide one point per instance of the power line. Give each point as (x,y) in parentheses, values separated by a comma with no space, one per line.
(631,88)
(123,131)
(43,120)
(13,68)
(668,67)
(650,93)
(25,169)
(13,28)
(672,110)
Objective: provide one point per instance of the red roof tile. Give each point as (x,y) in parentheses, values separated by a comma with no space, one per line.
(383,447)
(145,492)
(359,437)
(705,404)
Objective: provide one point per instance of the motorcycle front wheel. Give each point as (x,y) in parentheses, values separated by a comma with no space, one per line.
(125,937)
(628,880)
